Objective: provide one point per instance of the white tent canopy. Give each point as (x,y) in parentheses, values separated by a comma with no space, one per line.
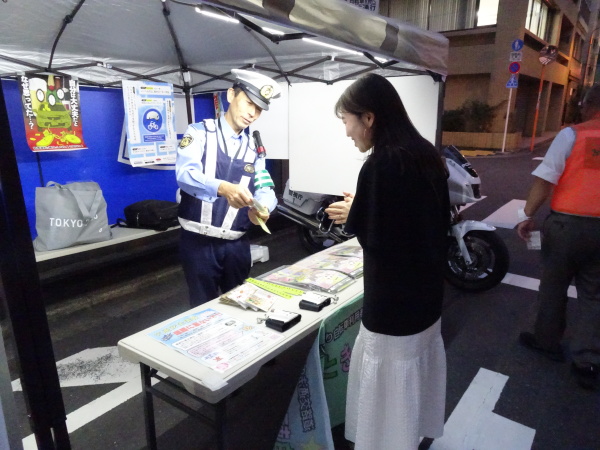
(104,41)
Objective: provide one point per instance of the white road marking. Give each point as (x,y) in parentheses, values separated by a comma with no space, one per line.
(94,409)
(462,208)
(101,365)
(531,283)
(473,425)
(505,216)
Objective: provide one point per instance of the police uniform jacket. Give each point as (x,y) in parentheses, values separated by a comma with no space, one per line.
(211,152)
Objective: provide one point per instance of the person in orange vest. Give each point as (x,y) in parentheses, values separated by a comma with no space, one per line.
(570,176)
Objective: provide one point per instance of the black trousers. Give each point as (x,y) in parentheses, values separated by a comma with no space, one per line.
(570,250)
(213,266)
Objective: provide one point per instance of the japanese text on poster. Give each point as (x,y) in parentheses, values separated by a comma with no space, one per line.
(214,339)
(51,113)
(150,118)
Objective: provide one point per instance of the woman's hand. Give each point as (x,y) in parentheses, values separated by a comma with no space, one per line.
(338,211)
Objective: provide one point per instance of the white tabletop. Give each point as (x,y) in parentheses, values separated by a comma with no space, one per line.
(200,380)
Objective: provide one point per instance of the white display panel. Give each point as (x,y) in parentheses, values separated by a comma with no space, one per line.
(274,125)
(322,158)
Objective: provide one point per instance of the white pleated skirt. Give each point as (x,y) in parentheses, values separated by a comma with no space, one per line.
(396,389)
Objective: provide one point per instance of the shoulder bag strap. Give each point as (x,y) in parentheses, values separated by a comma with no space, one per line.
(87,215)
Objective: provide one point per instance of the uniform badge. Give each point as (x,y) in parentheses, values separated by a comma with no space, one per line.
(185,141)
(249,168)
(266,91)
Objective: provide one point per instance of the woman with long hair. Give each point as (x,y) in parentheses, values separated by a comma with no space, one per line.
(400,215)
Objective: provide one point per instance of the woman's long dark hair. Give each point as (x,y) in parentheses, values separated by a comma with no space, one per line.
(393,132)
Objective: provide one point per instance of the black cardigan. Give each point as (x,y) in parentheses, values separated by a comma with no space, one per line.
(401,220)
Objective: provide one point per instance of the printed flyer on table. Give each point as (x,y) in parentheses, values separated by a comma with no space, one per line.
(214,339)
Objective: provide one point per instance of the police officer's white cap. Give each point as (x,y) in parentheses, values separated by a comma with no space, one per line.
(258,87)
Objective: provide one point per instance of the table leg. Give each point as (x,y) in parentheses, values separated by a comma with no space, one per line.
(220,423)
(148,407)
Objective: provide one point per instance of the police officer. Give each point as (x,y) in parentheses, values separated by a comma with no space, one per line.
(220,173)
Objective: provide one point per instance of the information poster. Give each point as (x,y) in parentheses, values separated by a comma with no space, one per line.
(51,113)
(150,119)
(214,339)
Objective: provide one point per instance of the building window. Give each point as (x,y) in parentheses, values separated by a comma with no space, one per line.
(577,47)
(566,33)
(538,18)
(585,10)
(487,12)
(446,15)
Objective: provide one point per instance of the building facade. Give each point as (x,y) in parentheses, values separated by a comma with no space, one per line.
(481,35)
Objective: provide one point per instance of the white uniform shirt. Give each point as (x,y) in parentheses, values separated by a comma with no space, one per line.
(553,164)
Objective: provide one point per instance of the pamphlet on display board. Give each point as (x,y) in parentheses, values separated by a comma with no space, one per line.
(150,119)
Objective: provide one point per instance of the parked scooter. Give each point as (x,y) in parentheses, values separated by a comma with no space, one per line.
(477,257)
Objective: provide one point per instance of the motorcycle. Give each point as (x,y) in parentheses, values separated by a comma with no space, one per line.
(477,258)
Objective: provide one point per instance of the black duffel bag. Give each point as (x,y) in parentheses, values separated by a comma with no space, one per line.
(151,214)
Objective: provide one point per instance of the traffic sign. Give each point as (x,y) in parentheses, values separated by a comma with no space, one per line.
(517,45)
(514,67)
(513,82)
(515,56)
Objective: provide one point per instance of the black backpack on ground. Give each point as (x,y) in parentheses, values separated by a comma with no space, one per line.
(151,214)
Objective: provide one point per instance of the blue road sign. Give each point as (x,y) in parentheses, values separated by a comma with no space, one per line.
(513,82)
(517,45)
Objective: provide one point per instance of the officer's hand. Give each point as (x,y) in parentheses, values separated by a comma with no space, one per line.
(236,195)
(253,214)
(525,228)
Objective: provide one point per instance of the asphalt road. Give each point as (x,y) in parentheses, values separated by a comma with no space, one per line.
(480,333)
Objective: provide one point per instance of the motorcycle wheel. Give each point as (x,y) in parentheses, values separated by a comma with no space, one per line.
(314,241)
(489,256)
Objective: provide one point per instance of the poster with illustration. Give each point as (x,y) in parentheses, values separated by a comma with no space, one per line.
(150,119)
(51,113)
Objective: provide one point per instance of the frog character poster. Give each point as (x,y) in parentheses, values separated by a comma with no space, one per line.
(51,113)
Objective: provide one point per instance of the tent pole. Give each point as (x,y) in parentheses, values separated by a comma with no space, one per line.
(21,295)
(66,21)
(439,131)
(188,102)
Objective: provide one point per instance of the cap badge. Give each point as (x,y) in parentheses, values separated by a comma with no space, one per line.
(185,141)
(249,168)
(266,91)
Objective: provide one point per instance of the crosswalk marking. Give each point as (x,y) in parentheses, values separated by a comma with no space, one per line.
(462,208)
(100,365)
(474,425)
(94,409)
(505,216)
(531,283)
